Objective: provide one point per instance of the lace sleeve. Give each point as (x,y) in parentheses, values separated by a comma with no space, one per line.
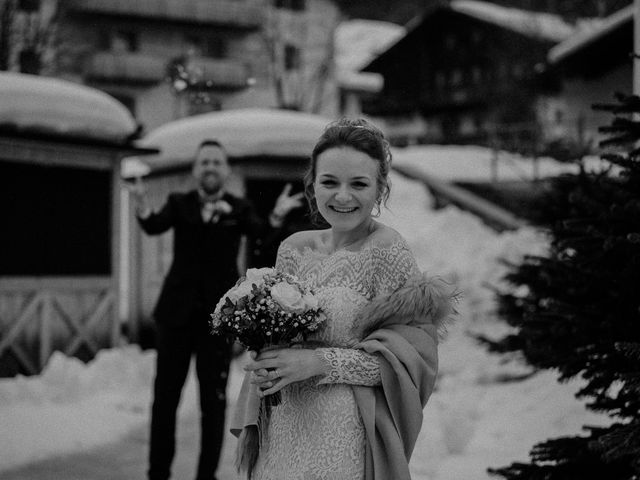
(348,365)
(286,261)
(391,267)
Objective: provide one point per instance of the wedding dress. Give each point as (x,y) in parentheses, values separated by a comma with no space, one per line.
(316,433)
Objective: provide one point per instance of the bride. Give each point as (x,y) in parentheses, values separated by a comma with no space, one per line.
(351,409)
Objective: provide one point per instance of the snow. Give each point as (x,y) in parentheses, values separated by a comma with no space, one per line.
(455,163)
(589,34)
(357,42)
(545,26)
(487,410)
(54,106)
(243,132)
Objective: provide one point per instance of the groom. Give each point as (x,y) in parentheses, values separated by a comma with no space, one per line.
(207,225)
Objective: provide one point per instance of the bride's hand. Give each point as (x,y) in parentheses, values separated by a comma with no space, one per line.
(274,369)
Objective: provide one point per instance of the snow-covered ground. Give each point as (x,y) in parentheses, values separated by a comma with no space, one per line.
(479,416)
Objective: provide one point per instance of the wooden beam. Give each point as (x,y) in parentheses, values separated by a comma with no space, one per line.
(29,310)
(53,154)
(46,319)
(491,213)
(82,335)
(81,283)
(116,186)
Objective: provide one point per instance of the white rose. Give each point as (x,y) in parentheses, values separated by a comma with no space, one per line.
(240,291)
(288,297)
(310,301)
(256,275)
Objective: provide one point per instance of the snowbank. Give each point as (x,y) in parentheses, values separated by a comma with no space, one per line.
(473,163)
(54,106)
(357,43)
(243,132)
(535,24)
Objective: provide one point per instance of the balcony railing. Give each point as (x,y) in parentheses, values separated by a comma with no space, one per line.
(142,68)
(126,67)
(240,13)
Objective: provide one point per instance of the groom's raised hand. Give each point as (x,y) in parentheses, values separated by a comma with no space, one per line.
(138,192)
(284,204)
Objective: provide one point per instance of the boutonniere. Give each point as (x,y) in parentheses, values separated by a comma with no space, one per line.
(223,207)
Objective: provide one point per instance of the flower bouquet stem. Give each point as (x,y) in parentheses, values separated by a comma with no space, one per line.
(274,399)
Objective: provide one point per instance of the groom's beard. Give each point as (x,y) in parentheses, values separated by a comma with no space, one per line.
(211,187)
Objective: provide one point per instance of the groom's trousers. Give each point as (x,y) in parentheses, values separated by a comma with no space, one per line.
(175,347)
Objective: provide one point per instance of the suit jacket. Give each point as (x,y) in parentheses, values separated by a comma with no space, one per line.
(204,254)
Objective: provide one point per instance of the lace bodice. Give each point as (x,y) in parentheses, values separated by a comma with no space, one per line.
(316,433)
(345,281)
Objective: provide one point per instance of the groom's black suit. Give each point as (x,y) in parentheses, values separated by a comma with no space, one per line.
(204,267)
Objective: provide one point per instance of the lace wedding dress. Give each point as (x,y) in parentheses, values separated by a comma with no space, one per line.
(316,433)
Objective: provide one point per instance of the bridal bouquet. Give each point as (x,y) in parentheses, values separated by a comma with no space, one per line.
(267,309)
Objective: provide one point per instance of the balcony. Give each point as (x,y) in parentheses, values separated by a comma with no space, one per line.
(238,13)
(136,68)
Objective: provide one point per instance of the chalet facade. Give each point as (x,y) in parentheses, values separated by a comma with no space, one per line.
(465,72)
(174,58)
(592,66)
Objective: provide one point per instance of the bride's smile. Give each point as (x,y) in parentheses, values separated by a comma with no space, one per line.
(346,192)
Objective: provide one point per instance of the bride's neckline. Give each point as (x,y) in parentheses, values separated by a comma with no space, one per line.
(322,243)
(368,246)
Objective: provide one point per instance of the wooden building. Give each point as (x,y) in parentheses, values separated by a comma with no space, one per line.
(464,70)
(266,148)
(60,151)
(592,66)
(226,54)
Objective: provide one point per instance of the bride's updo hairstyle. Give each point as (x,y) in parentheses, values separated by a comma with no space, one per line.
(361,136)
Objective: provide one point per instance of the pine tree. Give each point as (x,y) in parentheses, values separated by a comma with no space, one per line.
(577,309)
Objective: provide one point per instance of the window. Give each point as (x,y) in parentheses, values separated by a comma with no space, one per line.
(104,40)
(291,57)
(28,5)
(214,46)
(203,102)
(295,5)
(71,203)
(124,41)
(127,100)
(194,45)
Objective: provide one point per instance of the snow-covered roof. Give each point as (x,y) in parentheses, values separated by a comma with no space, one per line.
(243,132)
(545,26)
(589,35)
(538,25)
(30,103)
(357,42)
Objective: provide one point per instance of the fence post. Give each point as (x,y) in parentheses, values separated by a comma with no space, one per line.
(46,319)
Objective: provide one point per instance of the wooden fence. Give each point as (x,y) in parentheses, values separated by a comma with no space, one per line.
(75,315)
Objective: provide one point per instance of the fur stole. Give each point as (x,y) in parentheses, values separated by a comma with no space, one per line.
(422,299)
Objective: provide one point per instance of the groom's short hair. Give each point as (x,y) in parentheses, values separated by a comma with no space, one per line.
(210,142)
